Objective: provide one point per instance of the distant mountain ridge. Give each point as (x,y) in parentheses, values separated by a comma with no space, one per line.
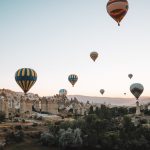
(110,100)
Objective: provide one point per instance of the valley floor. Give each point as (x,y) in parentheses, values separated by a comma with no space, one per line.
(28,145)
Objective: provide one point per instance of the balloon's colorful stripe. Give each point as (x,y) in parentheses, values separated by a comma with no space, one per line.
(114,1)
(117,9)
(136,89)
(26,78)
(73,79)
(63,92)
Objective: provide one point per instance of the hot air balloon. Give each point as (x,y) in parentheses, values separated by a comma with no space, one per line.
(94,55)
(63,92)
(25,78)
(73,79)
(136,89)
(102,91)
(130,76)
(124,93)
(117,9)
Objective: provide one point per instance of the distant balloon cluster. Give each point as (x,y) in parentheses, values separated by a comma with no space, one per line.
(117,9)
(26,77)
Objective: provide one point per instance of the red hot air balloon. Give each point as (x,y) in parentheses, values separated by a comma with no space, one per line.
(117,9)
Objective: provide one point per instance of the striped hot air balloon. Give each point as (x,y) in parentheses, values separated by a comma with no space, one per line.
(117,9)
(25,78)
(136,89)
(63,92)
(73,79)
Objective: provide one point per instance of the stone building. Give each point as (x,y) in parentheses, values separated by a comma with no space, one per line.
(13,105)
(25,107)
(49,105)
(4,105)
(37,105)
(18,104)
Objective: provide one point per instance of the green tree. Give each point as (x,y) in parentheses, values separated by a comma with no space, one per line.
(66,138)
(77,137)
(47,139)
(91,110)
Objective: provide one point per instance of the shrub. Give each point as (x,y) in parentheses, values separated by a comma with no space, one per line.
(5,129)
(16,120)
(143,121)
(9,137)
(34,124)
(47,139)
(66,138)
(26,127)
(19,136)
(40,118)
(18,127)
(23,121)
(70,138)
(77,137)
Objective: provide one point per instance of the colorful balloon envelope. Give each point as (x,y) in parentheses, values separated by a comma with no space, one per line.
(136,89)
(94,55)
(117,9)
(130,76)
(73,79)
(25,78)
(102,91)
(63,92)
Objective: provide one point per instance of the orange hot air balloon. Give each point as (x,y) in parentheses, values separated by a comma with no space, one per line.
(117,9)
(94,55)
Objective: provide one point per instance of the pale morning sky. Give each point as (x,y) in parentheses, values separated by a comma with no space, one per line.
(55,38)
